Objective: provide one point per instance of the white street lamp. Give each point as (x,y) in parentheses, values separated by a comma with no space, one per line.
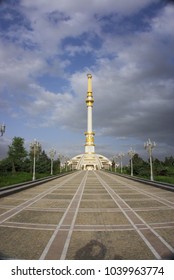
(2,129)
(61,157)
(131,154)
(66,163)
(35,146)
(149,146)
(116,164)
(121,156)
(52,153)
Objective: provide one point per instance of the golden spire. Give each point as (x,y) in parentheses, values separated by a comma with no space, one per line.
(89,99)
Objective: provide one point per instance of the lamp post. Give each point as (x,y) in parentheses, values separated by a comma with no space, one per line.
(61,157)
(52,153)
(114,158)
(149,146)
(66,163)
(120,156)
(131,154)
(35,146)
(2,129)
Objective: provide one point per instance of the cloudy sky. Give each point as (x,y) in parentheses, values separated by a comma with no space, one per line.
(48,47)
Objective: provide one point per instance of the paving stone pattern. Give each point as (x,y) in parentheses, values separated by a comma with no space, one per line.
(88,215)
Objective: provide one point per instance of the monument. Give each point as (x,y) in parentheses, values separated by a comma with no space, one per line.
(89,160)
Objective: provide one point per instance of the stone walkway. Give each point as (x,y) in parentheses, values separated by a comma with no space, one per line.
(88,215)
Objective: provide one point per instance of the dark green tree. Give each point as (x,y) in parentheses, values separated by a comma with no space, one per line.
(56,166)
(141,168)
(43,163)
(5,166)
(159,168)
(17,154)
(169,161)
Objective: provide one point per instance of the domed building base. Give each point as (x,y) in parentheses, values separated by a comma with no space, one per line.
(89,162)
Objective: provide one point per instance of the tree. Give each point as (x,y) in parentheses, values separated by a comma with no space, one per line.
(159,168)
(169,161)
(5,166)
(17,154)
(43,163)
(140,166)
(56,166)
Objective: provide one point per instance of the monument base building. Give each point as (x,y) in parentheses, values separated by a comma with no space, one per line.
(89,160)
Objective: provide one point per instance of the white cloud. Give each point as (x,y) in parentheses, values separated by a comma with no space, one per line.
(90,7)
(17,66)
(52,21)
(132,75)
(164,24)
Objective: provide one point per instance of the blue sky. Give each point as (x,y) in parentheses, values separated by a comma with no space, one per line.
(48,47)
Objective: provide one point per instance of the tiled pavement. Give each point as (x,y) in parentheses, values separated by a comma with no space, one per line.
(88,215)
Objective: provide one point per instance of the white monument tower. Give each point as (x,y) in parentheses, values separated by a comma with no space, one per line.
(89,160)
(89,146)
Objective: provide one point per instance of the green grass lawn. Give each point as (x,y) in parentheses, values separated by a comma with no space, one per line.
(11,179)
(165,179)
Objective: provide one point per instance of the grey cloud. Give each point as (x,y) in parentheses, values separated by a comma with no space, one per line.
(133,90)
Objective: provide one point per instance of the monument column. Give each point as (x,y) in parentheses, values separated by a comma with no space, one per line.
(89,145)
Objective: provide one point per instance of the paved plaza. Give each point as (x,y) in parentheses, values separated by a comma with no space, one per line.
(88,215)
